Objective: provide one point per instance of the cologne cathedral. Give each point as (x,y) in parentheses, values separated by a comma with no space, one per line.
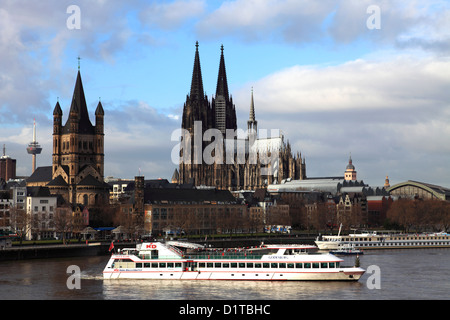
(255,162)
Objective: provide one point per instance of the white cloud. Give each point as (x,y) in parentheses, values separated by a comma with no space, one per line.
(266,19)
(138,136)
(170,16)
(403,83)
(404,23)
(392,114)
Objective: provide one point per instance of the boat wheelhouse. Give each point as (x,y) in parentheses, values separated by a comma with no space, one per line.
(187,261)
(374,240)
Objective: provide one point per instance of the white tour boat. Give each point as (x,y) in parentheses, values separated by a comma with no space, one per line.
(180,260)
(373,240)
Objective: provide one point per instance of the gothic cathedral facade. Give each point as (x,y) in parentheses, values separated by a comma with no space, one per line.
(263,161)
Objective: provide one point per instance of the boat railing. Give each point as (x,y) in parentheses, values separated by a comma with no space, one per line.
(225,256)
(176,250)
(159,257)
(205,255)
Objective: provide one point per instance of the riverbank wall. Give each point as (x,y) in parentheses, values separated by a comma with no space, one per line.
(102,248)
(53,251)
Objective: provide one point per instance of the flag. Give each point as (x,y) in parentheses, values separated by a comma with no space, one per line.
(111,246)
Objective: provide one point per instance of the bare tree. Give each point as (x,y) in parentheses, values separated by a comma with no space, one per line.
(63,221)
(20,222)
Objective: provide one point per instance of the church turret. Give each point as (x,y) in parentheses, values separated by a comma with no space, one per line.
(99,114)
(57,119)
(57,127)
(99,138)
(350,172)
(252,124)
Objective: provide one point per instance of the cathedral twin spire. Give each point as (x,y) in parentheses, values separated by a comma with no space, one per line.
(222,83)
(197,92)
(221,112)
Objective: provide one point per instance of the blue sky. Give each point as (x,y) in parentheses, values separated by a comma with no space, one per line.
(331,84)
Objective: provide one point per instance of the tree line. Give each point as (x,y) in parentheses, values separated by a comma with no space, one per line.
(419,215)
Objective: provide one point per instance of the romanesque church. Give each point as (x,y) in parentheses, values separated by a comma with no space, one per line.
(77,169)
(78,152)
(254,171)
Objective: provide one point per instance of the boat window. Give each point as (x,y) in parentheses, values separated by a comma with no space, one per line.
(124,263)
(282,265)
(234,265)
(209,265)
(315,265)
(274,265)
(331,264)
(265,265)
(324,265)
(201,265)
(250,265)
(217,265)
(146,265)
(154,264)
(170,265)
(138,265)
(299,265)
(307,265)
(257,265)
(290,265)
(226,265)
(177,264)
(338,264)
(162,265)
(124,260)
(241,264)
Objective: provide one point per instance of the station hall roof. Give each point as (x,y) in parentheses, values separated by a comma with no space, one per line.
(437,191)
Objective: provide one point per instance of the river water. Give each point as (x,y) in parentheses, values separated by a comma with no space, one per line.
(395,274)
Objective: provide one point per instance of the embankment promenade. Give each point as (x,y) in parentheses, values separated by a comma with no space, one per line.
(44,251)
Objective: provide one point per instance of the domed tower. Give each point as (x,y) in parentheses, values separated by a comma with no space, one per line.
(386,182)
(350,172)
